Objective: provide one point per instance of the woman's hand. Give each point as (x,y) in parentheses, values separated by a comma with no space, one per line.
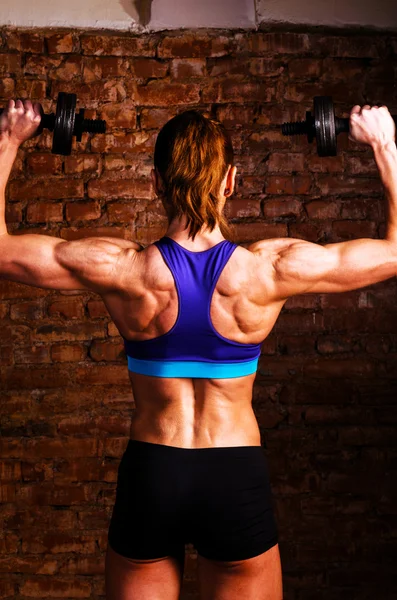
(19,122)
(373,126)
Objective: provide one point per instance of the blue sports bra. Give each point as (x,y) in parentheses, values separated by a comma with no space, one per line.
(193,348)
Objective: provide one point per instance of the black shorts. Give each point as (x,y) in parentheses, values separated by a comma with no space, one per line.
(217,499)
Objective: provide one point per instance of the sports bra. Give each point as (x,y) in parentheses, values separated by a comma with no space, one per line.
(192,347)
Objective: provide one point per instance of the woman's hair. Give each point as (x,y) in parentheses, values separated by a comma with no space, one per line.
(192,155)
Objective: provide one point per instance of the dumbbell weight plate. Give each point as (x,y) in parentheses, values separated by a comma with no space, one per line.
(324,121)
(64,124)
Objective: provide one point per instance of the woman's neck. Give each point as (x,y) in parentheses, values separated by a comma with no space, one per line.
(177,230)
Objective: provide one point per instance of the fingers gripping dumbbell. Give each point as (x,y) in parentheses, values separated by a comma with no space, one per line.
(323,125)
(66,123)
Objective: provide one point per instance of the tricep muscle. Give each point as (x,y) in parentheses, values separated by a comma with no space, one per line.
(301,267)
(50,262)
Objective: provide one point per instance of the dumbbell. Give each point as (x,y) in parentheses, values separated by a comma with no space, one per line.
(323,125)
(66,123)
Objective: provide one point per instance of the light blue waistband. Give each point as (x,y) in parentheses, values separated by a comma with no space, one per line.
(192,369)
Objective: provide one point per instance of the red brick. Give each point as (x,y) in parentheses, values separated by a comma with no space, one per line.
(82,211)
(323,209)
(26,310)
(242,208)
(123,188)
(112,330)
(286,162)
(10,470)
(347,46)
(4,310)
(347,230)
(343,185)
(354,209)
(293,322)
(259,142)
(50,588)
(193,46)
(30,88)
(73,332)
(297,184)
(44,212)
(307,231)
(140,142)
(118,45)
(69,308)
(360,165)
(119,115)
(25,41)
(252,232)
(102,375)
(188,68)
(232,115)
(23,378)
(165,94)
(85,565)
(68,353)
(7,88)
(15,334)
(74,233)
(10,289)
(324,164)
(41,66)
(6,355)
(8,589)
(48,189)
(149,68)
(93,93)
(324,368)
(60,43)
(107,351)
(81,163)
(282,207)
(44,164)
(32,354)
(76,469)
(280,43)
(10,64)
(235,90)
(120,162)
(305,91)
(56,543)
(305,68)
(97,309)
(155,118)
(104,68)
(68,70)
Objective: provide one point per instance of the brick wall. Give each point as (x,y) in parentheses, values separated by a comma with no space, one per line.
(326,389)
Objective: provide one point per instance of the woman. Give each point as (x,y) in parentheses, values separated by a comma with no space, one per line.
(193,309)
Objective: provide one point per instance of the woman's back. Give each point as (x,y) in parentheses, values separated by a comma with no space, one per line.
(194,412)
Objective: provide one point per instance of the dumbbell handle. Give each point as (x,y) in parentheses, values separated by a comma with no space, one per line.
(343,125)
(307,127)
(84,125)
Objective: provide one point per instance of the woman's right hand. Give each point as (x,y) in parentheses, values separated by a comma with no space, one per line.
(372,125)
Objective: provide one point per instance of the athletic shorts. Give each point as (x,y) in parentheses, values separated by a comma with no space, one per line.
(217,499)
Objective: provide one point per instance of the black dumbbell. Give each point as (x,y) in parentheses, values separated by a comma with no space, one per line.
(66,123)
(323,125)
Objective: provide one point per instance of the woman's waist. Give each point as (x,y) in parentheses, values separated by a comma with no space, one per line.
(196,430)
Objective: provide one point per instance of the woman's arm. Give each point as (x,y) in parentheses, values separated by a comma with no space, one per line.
(46,261)
(302,267)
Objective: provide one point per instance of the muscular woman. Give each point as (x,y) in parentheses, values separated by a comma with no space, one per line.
(193,309)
